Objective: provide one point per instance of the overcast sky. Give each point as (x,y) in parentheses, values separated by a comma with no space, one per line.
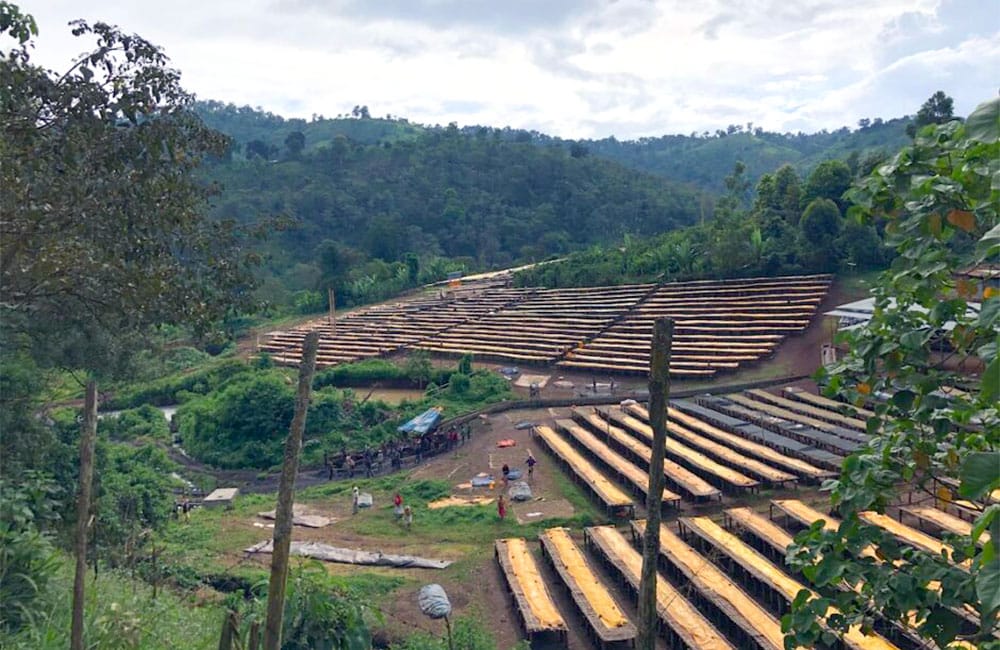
(574,68)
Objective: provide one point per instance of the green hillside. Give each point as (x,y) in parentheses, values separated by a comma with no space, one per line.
(374,219)
(705,159)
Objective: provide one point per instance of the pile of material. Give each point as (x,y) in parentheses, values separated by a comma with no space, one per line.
(329,553)
(301,517)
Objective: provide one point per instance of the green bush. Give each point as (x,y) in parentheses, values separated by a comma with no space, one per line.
(308,302)
(320,613)
(120,614)
(133,493)
(459,384)
(27,557)
(143,422)
(172,390)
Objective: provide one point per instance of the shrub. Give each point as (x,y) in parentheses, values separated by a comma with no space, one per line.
(27,557)
(144,422)
(459,384)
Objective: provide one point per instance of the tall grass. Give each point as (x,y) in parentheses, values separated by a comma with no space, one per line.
(120,614)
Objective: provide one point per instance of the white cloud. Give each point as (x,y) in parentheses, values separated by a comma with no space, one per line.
(571,68)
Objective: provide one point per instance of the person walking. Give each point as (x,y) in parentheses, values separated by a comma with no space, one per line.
(397,502)
(530,462)
(502,507)
(506,472)
(355,496)
(350,462)
(408,517)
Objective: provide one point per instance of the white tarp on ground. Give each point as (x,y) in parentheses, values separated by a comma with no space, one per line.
(329,553)
(301,517)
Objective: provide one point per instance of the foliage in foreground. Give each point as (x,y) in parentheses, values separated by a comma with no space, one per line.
(103,224)
(941,198)
(121,614)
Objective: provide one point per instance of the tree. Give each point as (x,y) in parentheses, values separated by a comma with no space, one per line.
(939,197)
(258,149)
(418,367)
(938,109)
(295,142)
(829,180)
(821,222)
(101,217)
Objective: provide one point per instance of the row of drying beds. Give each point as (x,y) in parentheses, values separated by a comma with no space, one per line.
(720,586)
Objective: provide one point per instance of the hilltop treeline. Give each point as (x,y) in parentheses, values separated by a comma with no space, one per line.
(373,219)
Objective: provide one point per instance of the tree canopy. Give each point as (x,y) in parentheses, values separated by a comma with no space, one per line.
(102,220)
(936,429)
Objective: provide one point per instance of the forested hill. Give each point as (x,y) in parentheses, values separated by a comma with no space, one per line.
(705,159)
(701,159)
(372,219)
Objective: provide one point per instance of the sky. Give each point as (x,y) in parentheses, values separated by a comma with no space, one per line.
(571,68)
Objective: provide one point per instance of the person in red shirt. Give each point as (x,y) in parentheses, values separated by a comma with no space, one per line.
(501,507)
(397,502)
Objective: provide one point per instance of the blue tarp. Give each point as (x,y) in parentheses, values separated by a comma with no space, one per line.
(426,421)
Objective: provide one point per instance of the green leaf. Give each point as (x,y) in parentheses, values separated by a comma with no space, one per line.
(984,522)
(983,124)
(988,589)
(990,383)
(980,473)
(989,313)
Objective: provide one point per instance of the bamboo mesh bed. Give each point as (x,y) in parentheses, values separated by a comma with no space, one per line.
(606,619)
(534,603)
(719,589)
(679,614)
(678,475)
(704,466)
(609,494)
(762,569)
(638,478)
(722,453)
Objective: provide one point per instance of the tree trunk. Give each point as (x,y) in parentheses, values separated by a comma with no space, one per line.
(286,497)
(88,434)
(659,394)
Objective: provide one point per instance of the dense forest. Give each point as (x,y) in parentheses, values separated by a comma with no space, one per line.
(700,159)
(373,219)
(373,206)
(791,225)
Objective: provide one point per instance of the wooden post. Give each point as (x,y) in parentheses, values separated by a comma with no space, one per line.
(253,643)
(230,630)
(333,309)
(286,497)
(88,433)
(659,394)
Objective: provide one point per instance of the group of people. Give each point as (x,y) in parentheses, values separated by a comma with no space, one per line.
(367,462)
(530,461)
(390,454)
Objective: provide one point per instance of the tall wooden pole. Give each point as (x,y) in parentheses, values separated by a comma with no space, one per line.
(88,433)
(286,496)
(333,308)
(659,395)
